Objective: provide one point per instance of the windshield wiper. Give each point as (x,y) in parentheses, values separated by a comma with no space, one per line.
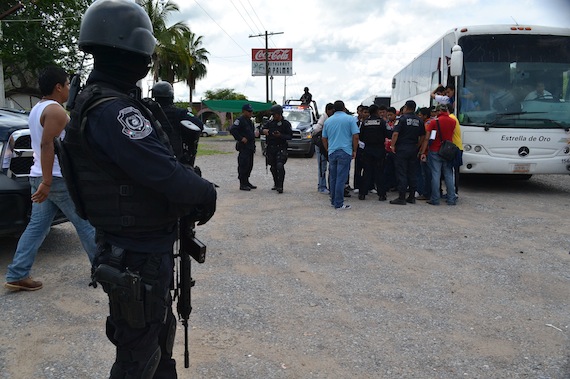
(501,116)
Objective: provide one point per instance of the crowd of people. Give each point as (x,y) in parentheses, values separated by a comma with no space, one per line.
(393,151)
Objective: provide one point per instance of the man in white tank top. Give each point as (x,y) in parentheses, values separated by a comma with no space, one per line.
(49,191)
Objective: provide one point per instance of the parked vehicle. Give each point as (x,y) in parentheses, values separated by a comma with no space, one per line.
(210,128)
(16,156)
(302,119)
(209,131)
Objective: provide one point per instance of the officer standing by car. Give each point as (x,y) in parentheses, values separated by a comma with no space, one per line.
(185,129)
(244,133)
(278,132)
(131,188)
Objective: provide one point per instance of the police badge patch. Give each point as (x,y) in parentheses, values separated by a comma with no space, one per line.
(135,126)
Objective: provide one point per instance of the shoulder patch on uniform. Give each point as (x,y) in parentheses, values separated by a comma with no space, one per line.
(135,126)
(236,122)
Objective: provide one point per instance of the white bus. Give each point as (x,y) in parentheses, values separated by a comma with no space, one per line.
(507,127)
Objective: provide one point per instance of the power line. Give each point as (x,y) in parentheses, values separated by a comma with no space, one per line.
(249,15)
(244,20)
(254,12)
(41,19)
(219,26)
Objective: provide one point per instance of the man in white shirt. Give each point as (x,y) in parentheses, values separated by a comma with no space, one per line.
(539,93)
(49,192)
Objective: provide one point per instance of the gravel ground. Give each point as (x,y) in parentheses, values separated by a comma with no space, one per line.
(294,289)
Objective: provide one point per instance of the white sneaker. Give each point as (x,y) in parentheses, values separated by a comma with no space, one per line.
(355,190)
(373,191)
(324,191)
(345,206)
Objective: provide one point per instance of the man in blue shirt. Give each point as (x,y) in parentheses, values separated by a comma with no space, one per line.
(340,137)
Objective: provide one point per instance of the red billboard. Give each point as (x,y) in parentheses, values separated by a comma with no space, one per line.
(280,62)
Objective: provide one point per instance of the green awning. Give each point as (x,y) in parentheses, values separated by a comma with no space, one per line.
(234,106)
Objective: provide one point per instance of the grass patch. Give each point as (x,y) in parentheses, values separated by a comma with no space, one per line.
(207,150)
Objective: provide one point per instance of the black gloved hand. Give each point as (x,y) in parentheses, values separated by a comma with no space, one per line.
(205,211)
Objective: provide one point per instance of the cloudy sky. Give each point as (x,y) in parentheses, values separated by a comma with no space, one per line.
(342,49)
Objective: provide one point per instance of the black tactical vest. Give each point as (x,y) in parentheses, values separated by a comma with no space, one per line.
(103,193)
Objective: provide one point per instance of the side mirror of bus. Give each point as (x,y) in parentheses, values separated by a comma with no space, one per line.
(456,65)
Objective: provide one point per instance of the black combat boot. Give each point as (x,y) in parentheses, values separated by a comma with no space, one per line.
(401,200)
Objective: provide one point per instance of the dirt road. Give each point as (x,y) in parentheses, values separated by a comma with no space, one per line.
(294,289)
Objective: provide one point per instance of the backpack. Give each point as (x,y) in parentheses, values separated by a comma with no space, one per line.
(317,139)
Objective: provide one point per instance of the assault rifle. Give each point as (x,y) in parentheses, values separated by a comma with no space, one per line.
(74,87)
(190,246)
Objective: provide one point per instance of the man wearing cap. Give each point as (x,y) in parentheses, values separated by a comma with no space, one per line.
(408,135)
(278,132)
(243,131)
(340,137)
(441,129)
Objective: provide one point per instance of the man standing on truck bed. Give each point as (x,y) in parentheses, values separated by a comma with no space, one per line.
(49,191)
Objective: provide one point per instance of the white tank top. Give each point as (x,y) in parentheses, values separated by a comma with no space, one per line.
(36,131)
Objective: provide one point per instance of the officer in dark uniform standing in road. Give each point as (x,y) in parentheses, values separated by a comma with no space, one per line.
(278,132)
(131,188)
(372,135)
(244,133)
(408,136)
(185,128)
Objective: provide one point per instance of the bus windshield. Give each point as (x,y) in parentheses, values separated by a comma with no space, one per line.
(518,81)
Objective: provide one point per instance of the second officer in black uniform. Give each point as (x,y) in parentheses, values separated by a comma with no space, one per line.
(185,129)
(244,133)
(372,135)
(131,188)
(278,132)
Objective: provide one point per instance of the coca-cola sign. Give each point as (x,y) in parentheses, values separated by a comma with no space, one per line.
(273,55)
(279,62)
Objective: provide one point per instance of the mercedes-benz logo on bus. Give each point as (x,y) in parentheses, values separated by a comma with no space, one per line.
(524,151)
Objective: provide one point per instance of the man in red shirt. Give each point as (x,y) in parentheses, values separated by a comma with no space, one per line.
(439,130)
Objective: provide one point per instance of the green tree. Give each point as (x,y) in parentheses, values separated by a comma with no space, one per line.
(223,94)
(198,58)
(166,59)
(40,34)
(179,55)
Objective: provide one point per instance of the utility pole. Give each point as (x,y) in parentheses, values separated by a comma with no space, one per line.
(3,16)
(266,61)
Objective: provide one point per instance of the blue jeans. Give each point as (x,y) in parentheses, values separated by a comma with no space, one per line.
(339,164)
(438,165)
(39,226)
(322,163)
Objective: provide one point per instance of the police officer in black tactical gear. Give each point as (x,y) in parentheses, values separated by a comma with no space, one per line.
(185,128)
(372,135)
(129,185)
(409,132)
(244,133)
(278,132)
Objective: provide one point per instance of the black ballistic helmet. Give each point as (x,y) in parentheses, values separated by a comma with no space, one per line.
(277,109)
(162,89)
(120,24)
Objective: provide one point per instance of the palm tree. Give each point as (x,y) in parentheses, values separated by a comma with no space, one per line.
(166,56)
(198,59)
(179,54)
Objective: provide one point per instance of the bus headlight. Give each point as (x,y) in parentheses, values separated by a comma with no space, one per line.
(467,147)
(478,148)
(567,150)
